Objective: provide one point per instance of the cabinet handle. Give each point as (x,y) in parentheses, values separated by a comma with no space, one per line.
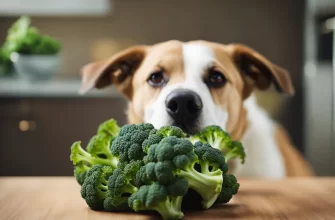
(26,125)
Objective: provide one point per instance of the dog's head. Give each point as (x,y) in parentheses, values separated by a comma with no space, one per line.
(191,85)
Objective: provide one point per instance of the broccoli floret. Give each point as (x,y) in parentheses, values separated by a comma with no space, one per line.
(141,177)
(79,155)
(151,140)
(167,131)
(155,136)
(161,171)
(157,197)
(122,184)
(94,188)
(177,157)
(235,150)
(230,187)
(109,128)
(80,171)
(128,145)
(98,150)
(208,181)
(218,138)
(211,159)
(99,146)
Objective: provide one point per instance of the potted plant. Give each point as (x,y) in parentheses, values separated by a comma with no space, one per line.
(29,53)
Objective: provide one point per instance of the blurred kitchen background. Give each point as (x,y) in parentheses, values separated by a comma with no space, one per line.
(41,118)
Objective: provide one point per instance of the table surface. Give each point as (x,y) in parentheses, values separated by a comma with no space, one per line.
(59,198)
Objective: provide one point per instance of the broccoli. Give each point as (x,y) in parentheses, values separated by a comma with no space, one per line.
(140,168)
(235,150)
(79,155)
(99,146)
(94,188)
(121,184)
(220,139)
(230,187)
(98,150)
(165,200)
(128,145)
(109,128)
(208,181)
(167,131)
(80,171)
(177,157)
(151,140)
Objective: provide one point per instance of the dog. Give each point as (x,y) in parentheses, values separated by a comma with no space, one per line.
(200,83)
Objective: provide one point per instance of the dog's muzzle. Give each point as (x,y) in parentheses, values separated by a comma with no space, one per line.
(184,106)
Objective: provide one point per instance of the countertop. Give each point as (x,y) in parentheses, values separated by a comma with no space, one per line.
(59,198)
(57,87)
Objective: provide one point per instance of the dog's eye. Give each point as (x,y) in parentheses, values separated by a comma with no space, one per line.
(215,79)
(157,79)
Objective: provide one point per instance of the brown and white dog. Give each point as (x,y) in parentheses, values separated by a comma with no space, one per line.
(199,83)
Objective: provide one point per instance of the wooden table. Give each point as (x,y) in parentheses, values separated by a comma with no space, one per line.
(58,198)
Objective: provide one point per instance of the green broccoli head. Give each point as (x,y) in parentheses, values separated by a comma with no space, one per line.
(156,197)
(160,160)
(218,138)
(213,135)
(210,159)
(80,171)
(174,156)
(122,184)
(151,140)
(235,150)
(128,145)
(206,180)
(230,187)
(109,128)
(167,131)
(94,188)
(141,177)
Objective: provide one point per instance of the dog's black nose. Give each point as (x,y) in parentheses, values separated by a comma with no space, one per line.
(183,105)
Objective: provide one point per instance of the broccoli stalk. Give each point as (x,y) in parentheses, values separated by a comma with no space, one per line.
(207,185)
(170,208)
(78,155)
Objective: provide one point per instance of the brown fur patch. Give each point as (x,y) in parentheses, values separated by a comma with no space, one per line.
(295,164)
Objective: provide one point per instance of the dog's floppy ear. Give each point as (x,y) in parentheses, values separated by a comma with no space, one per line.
(117,70)
(263,73)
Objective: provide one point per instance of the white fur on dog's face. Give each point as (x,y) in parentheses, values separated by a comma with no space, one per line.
(196,59)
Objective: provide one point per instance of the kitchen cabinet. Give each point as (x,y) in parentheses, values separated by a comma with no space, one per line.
(40,145)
